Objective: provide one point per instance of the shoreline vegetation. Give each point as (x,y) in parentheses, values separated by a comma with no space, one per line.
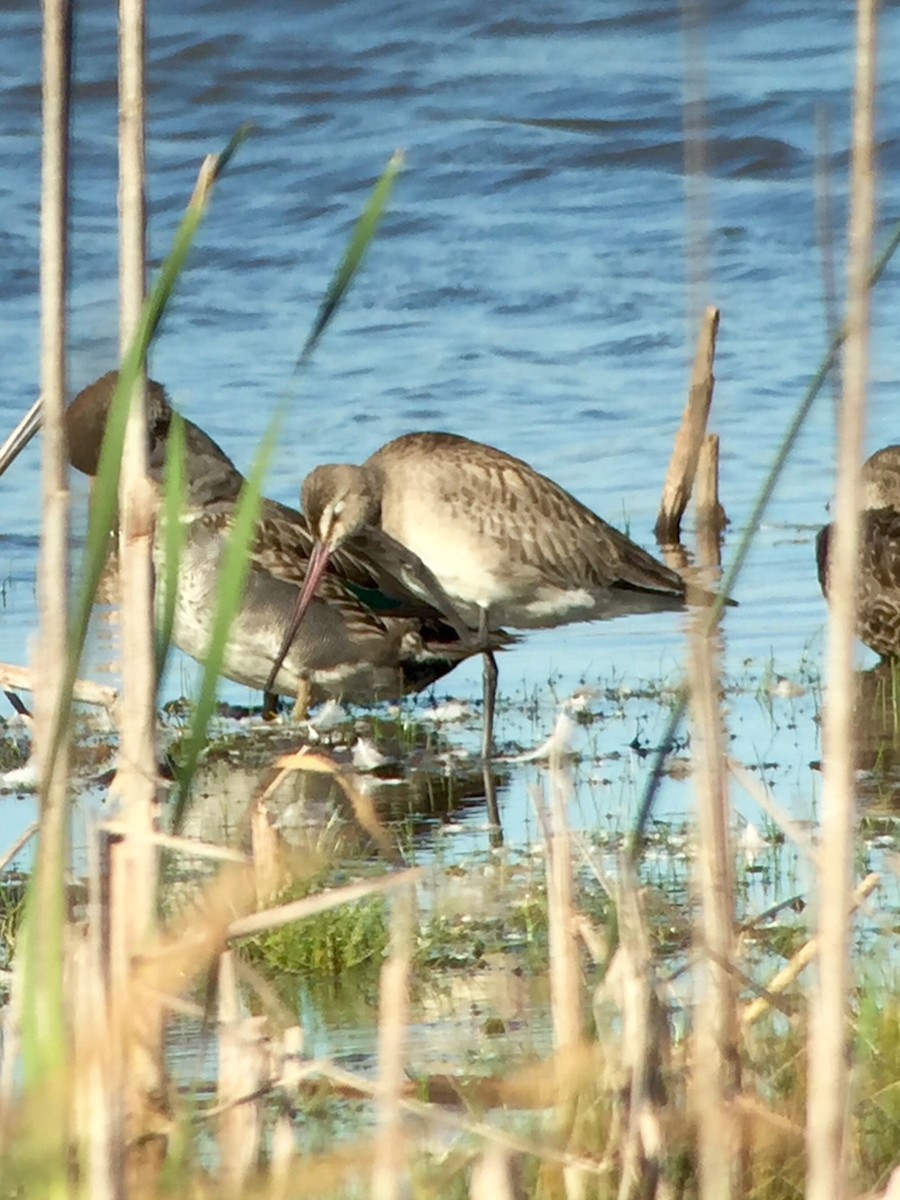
(664,1009)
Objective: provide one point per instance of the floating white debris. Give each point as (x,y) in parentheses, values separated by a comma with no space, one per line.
(329,717)
(446,714)
(559,743)
(581,699)
(366,755)
(22,777)
(751,843)
(786,689)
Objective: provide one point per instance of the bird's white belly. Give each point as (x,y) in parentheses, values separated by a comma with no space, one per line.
(477,579)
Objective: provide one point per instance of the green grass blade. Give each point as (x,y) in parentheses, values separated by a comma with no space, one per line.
(363,234)
(173,540)
(235,565)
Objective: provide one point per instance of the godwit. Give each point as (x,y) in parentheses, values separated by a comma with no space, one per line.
(368,637)
(878,595)
(507,545)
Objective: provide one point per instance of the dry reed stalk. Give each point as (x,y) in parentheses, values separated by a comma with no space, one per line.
(10,1052)
(311,906)
(85,691)
(282,1155)
(182,845)
(137,771)
(714,1065)
(683,464)
(358,1085)
(135,859)
(629,982)
(284,1148)
(389,1168)
(267,856)
(96,1118)
(243,1074)
(45,1013)
(828,1087)
(53,575)
(18,845)
(800,960)
(492,1176)
(93,1076)
(565,967)
(362,804)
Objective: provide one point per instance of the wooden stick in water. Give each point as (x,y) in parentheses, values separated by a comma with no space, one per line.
(683,464)
(710,514)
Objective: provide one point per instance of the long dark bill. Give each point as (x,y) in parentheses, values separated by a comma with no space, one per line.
(20,436)
(318,561)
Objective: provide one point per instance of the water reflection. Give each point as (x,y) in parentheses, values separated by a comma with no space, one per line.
(876,734)
(419,783)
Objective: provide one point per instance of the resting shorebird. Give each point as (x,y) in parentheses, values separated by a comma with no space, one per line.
(878,594)
(507,545)
(373,634)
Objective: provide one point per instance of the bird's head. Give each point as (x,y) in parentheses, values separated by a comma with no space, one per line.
(339,501)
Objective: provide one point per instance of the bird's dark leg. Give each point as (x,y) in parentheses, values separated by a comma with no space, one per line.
(269,706)
(487,734)
(490,700)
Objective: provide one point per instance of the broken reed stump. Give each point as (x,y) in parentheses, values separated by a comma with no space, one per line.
(686,453)
(709,512)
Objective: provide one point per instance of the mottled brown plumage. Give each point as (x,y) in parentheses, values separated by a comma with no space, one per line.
(878,596)
(507,545)
(369,635)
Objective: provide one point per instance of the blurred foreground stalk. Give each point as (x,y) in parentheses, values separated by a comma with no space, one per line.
(828,1107)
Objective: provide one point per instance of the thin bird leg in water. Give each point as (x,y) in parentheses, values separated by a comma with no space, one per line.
(487,733)
(490,688)
(487,746)
(490,698)
(301,708)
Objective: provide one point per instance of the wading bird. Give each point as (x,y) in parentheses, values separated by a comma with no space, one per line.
(381,626)
(507,545)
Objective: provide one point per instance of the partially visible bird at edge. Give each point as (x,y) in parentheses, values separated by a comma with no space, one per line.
(878,579)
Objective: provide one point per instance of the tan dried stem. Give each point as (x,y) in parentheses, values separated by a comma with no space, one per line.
(800,960)
(642,1050)
(389,1168)
(828,1089)
(85,691)
(43,973)
(565,970)
(134,860)
(714,1075)
(243,1073)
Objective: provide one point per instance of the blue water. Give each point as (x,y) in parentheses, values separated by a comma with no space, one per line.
(532,286)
